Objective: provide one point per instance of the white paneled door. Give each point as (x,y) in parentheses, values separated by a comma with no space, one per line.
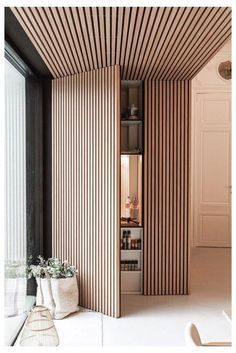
(212,170)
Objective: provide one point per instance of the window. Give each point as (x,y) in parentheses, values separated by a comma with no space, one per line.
(15,198)
(23,188)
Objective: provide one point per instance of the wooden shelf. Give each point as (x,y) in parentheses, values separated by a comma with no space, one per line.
(140,250)
(134,271)
(131,153)
(130,226)
(131,120)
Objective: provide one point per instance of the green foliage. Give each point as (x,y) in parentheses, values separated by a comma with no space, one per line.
(53,267)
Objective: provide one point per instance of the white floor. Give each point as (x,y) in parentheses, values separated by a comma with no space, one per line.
(160,320)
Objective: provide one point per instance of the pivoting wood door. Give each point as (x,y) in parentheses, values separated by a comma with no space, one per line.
(85,183)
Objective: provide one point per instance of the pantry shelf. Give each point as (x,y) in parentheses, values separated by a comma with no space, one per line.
(131,200)
(127,225)
(132,271)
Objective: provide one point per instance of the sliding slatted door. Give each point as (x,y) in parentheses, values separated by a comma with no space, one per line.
(85,183)
(166,187)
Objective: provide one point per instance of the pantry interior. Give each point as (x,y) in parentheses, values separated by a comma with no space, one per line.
(131,147)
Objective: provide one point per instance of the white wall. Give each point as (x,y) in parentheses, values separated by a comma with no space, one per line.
(209,78)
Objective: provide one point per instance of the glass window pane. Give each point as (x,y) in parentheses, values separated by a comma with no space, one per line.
(15,198)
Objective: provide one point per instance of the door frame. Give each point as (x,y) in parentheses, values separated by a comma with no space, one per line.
(195,92)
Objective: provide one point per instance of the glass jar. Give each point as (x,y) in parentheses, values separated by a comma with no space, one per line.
(39,329)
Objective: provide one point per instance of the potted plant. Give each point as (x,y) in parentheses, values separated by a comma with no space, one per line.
(57,287)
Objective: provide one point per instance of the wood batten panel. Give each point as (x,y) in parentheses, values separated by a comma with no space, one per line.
(33,36)
(209,53)
(165,22)
(164,43)
(149,30)
(125,34)
(192,23)
(96,35)
(85,182)
(69,38)
(174,40)
(205,39)
(166,185)
(50,23)
(134,41)
(84,30)
(102,35)
(39,24)
(130,35)
(108,35)
(140,39)
(113,34)
(91,35)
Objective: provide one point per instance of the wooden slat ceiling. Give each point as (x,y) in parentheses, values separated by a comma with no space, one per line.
(166,43)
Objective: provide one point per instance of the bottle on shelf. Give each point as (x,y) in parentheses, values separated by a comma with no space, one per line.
(129,240)
(139,244)
(133,244)
(134,209)
(133,111)
(124,239)
(127,207)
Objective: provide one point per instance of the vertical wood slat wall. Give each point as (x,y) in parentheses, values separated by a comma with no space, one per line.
(166,185)
(85,183)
